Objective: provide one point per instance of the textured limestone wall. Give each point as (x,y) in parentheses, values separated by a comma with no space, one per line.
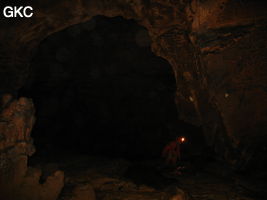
(17,181)
(217,50)
(16,123)
(231,40)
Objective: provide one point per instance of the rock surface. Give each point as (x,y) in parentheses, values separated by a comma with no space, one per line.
(217,50)
(17,181)
(31,189)
(81,192)
(17,119)
(109,182)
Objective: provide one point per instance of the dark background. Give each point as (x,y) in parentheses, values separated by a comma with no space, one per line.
(99,89)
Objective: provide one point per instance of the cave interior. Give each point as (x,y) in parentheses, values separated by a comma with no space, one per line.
(101,101)
(104,92)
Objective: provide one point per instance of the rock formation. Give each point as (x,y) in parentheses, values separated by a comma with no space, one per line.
(217,50)
(17,181)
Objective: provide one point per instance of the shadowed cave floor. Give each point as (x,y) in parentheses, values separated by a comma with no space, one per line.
(118,179)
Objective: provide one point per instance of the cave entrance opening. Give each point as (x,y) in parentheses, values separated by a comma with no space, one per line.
(99,89)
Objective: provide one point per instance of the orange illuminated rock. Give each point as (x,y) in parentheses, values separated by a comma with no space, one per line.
(17,181)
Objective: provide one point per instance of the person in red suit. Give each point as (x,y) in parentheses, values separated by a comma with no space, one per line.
(171,152)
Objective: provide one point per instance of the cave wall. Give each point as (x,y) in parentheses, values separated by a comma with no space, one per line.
(17,119)
(17,181)
(217,50)
(231,40)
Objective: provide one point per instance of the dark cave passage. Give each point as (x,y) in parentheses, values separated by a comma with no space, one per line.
(99,89)
(166,101)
